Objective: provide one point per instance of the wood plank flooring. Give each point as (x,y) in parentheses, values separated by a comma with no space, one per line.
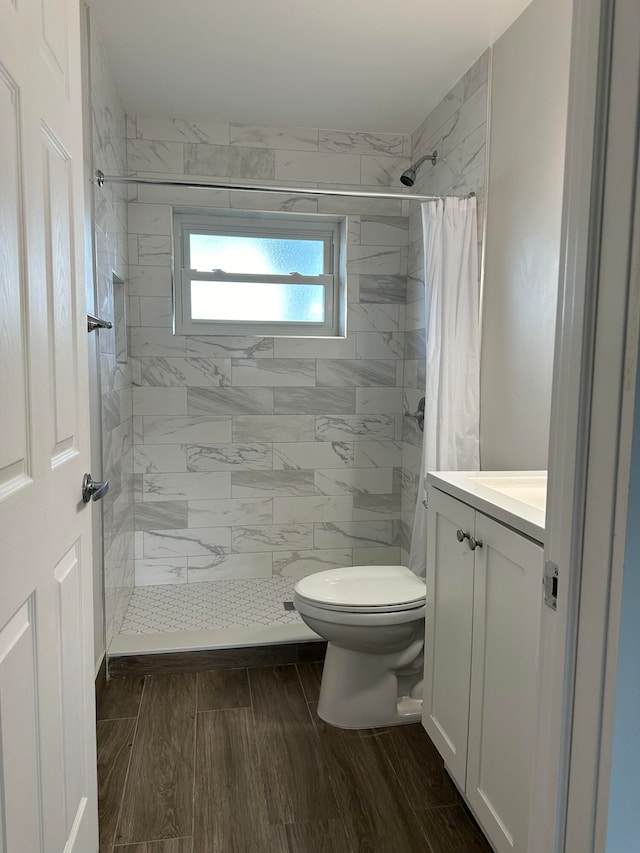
(158,796)
(237,761)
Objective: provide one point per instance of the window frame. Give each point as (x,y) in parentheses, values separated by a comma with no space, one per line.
(330,229)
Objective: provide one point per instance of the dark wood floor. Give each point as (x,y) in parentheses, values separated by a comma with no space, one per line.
(237,761)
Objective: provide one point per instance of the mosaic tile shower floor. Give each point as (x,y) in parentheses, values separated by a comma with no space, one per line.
(234,603)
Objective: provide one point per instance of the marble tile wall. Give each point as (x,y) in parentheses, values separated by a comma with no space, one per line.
(457,129)
(109,151)
(267,456)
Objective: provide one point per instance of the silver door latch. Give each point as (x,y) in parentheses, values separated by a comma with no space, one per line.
(550,583)
(93,489)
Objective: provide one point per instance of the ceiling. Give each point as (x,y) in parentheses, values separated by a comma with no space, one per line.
(363,65)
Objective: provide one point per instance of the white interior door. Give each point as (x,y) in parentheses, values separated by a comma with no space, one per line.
(47,752)
(449,619)
(504,682)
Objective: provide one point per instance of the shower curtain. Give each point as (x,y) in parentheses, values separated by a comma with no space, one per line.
(452,322)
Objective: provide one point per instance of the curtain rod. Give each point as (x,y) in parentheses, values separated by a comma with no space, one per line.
(101,179)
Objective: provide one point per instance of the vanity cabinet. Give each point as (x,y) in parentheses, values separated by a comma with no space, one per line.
(484,600)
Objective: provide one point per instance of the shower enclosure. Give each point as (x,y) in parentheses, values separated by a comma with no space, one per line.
(257,459)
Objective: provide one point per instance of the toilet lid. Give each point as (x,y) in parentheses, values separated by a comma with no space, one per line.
(364,586)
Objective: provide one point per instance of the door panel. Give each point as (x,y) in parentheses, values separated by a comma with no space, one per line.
(18,735)
(47,728)
(61,288)
(504,682)
(448,637)
(68,577)
(14,447)
(53,16)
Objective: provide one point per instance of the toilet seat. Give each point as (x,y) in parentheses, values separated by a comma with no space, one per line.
(363,589)
(359,616)
(345,608)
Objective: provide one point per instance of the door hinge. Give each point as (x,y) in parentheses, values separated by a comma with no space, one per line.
(550,584)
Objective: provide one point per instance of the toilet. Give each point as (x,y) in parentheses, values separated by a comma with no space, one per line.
(373,620)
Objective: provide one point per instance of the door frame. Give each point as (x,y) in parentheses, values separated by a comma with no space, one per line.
(591,422)
(95,379)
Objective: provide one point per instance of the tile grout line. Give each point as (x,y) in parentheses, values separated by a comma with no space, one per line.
(223,710)
(253,713)
(304,692)
(195,759)
(126,778)
(151,841)
(116,719)
(307,703)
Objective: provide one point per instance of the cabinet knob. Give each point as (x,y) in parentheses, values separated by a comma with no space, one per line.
(474,543)
(461,535)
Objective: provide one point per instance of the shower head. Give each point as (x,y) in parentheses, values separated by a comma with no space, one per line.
(408,177)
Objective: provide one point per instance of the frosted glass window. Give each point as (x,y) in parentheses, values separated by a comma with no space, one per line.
(256,255)
(255,302)
(261,273)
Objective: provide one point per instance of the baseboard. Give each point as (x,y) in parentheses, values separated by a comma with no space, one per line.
(162,663)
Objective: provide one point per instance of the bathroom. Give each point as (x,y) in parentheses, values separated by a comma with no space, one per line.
(302,432)
(290,650)
(251,462)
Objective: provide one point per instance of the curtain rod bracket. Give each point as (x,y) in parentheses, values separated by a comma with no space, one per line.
(98,178)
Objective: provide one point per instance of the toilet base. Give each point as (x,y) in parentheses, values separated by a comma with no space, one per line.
(361,690)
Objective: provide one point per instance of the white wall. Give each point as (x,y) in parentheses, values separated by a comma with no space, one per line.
(526,168)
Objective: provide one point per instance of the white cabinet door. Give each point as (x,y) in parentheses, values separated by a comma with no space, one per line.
(448,630)
(48,800)
(506,634)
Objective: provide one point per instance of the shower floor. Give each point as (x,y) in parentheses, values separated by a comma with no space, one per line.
(220,614)
(215,605)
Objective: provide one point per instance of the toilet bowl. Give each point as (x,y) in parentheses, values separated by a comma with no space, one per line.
(373,620)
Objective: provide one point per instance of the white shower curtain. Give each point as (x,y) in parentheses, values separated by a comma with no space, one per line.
(452,321)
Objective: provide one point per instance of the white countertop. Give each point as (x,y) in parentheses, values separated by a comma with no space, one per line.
(516,498)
